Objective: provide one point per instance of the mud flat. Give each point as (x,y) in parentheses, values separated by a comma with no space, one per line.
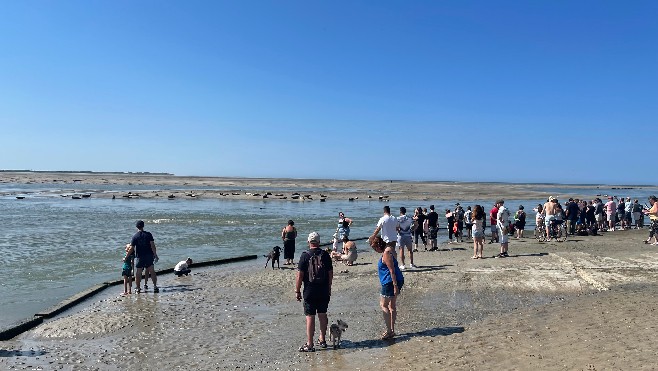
(256,188)
(582,304)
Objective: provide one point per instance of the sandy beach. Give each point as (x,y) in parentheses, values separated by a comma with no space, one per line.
(584,304)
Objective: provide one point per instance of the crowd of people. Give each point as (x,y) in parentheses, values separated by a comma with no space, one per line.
(315,268)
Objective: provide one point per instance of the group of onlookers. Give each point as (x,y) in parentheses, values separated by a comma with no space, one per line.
(315,270)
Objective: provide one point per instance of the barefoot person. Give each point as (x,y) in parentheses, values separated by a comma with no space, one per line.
(315,271)
(288,235)
(391,280)
(127,270)
(144,246)
(348,255)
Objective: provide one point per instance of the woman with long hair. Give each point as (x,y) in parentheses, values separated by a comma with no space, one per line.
(477,219)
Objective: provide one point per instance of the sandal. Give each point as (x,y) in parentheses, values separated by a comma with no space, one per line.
(322,344)
(306,348)
(474,257)
(388,335)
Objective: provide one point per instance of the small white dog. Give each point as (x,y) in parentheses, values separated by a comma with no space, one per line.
(335,331)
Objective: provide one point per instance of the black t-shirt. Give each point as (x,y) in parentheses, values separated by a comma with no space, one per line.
(432,218)
(420,219)
(142,242)
(599,208)
(621,207)
(572,210)
(314,291)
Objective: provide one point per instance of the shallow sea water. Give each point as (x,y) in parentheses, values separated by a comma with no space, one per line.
(53,247)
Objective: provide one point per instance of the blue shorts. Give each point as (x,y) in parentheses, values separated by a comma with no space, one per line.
(144,261)
(388,291)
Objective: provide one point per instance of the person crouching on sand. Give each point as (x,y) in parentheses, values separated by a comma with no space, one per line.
(182,268)
(127,270)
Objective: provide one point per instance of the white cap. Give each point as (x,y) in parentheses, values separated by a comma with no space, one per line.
(314,237)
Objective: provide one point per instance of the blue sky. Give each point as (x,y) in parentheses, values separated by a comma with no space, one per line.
(417,90)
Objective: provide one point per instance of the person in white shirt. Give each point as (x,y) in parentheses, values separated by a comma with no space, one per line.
(404,239)
(182,268)
(502,222)
(388,226)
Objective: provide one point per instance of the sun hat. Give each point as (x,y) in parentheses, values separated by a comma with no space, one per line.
(314,237)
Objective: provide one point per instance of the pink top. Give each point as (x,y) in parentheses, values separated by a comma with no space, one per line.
(610,207)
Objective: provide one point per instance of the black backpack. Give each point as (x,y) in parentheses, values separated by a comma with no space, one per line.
(316,272)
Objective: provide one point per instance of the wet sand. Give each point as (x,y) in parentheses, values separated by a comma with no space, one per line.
(585,304)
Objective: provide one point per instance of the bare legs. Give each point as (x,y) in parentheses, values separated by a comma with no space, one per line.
(478,247)
(389,313)
(310,328)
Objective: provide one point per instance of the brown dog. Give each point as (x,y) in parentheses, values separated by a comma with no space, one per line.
(335,331)
(273,256)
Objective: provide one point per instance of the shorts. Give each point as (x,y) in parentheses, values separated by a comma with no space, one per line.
(388,291)
(503,236)
(478,234)
(548,220)
(313,306)
(599,218)
(621,216)
(433,232)
(494,229)
(127,272)
(611,217)
(144,261)
(391,244)
(628,216)
(405,241)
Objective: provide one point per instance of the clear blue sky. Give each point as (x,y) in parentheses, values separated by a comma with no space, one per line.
(427,90)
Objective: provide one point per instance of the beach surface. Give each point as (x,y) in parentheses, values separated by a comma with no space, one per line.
(584,304)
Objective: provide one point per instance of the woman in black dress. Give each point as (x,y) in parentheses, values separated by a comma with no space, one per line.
(288,235)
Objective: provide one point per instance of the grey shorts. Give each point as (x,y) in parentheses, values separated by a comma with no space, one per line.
(405,241)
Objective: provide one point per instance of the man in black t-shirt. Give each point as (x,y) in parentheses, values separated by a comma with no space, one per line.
(572,215)
(316,294)
(145,251)
(433,223)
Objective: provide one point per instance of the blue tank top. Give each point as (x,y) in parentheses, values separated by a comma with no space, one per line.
(385,274)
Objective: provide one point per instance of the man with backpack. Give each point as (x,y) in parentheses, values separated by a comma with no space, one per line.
(315,270)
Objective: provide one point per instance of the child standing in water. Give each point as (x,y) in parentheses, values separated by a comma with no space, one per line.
(127,270)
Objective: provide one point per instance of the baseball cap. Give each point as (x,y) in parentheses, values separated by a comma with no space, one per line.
(139,224)
(314,237)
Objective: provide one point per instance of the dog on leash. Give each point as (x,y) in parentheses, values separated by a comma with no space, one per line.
(273,256)
(335,331)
